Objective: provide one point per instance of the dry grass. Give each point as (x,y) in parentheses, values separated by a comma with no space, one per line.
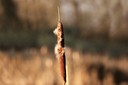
(40,68)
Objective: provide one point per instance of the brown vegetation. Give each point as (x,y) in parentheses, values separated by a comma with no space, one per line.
(59,48)
(39,67)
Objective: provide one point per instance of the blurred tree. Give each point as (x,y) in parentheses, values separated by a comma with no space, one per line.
(11,18)
(10,9)
(77,13)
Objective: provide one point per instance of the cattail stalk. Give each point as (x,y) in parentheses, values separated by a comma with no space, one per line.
(59,48)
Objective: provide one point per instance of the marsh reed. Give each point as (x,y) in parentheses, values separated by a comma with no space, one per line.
(59,48)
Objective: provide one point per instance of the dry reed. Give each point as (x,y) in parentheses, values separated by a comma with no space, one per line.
(59,48)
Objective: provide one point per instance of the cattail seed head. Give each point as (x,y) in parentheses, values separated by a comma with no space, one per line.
(59,49)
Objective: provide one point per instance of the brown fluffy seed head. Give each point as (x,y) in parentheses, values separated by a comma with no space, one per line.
(59,48)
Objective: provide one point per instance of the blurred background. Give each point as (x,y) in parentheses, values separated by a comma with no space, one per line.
(96,40)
